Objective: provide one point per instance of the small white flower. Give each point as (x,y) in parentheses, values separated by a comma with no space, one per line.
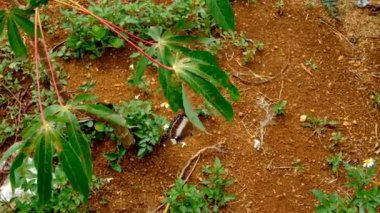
(131,67)
(303,118)
(183,144)
(165,105)
(137,97)
(166,127)
(368,163)
(257,144)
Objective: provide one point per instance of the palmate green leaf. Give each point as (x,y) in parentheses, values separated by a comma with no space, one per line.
(15,40)
(102,112)
(70,161)
(141,67)
(222,12)
(209,92)
(190,112)
(203,57)
(43,160)
(19,160)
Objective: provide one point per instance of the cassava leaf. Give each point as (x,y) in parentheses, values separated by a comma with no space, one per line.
(10,151)
(203,57)
(74,170)
(82,98)
(222,12)
(172,89)
(36,3)
(15,40)
(102,112)
(24,23)
(190,112)
(79,142)
(209,92)
(43,160)
(141,67)
(19,160)
(21,12)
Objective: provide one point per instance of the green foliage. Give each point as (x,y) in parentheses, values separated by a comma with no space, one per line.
(319,125)
(14,19)
(336,137)
(87,86)
(376,99)
(146,126)
(185,197)
(7,130)
(331,7)
(335,161)
(115,158)
(279,108)
(311,64)
(280,6)
(365,198)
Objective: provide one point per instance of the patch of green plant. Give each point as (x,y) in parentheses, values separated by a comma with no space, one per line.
(336,137)
(310,4)
(365,196)
(279,108)
(115,158)
(331,7)
(280,6)
(376,99)
(87,86)
(299,167)
(319,125)
(7,130)
(146,126)
(311,64)
(335,161)
(184,197)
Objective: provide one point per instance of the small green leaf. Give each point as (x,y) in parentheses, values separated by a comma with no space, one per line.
(36,3)
(115,166)
(111,156)
(98,32)
(82,98)
(15,40)
(190,112)
(116,42)
(100,127)
(222,12)
(141,66)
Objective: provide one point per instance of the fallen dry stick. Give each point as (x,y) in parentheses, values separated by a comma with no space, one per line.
(306,69)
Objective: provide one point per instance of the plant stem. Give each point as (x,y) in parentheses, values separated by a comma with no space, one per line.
(37,66)
(50,65)
(114,29)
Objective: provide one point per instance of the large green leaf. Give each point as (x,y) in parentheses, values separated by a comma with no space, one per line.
(141,67)
(171,88)
(190,112)
(203,57)
(19,160)
(222,12)
(15,39)
(103,112)
(43,160)
(74,170)
(2,21)
(79,143)
(209,92)
(10,151)
(24,23)
(82,98)
(36,3)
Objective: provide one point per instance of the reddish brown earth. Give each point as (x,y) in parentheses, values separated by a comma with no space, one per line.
(347,57)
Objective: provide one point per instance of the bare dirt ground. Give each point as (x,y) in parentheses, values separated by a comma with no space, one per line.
(348,57)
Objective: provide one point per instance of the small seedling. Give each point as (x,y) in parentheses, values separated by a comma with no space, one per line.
(335,161)
(115,158)
(319,125)
(376,99)
(311,64)
(310,4)
(279,108)
(336,137)
(87,86)
(298,166)
(280,6)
